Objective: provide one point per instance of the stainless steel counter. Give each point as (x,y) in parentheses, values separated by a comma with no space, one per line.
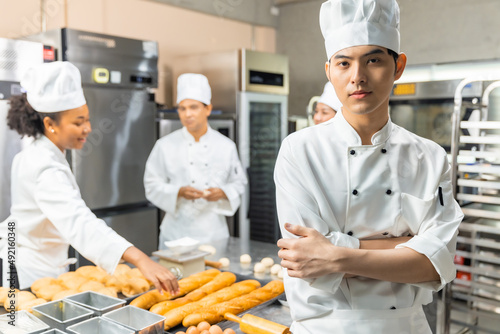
(233,248)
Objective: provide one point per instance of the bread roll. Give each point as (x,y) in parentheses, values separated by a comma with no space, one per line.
(215,313)
(92,272)
(186,285)
(116,282)
(134,286)
(42,282)
(267,261)
(48,291)
(4,291)
(64,294)
(18,298)
(91,286)
(108,292)
(121,269)
(175,316)
(72,280)
(26,306)
(220,281)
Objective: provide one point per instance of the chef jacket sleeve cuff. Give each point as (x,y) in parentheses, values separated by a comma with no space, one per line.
(228,207)
(168,201)
(343,240)
(437,252)
(109,263)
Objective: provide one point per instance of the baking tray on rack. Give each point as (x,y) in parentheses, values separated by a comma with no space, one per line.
(272,310)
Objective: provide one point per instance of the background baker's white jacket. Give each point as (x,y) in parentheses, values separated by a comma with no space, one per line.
(326,179)
(50,214)
(177,160)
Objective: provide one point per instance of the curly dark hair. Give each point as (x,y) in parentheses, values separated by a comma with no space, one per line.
(26,120)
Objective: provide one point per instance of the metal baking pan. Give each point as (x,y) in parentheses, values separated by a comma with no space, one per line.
(137,319)
(54,331)
(60,313)
(24,321)
(99,325)
(96,302)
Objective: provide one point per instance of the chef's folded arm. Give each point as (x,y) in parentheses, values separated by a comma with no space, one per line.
(61,202)
(159,190)
(425,259)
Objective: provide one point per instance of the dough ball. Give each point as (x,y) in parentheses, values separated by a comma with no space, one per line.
(192,330)
(259,268)
(208,248)
(275,269)
(215,330)
(267,261)
(203,326)
(280,274)
(224,261)
(206,192)
(245,258)
(229,331)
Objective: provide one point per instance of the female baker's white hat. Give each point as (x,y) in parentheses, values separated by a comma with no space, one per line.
(346,23)
(193,86)
(53,87)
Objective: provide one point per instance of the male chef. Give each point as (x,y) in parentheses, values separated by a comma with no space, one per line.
(194,174)
(366,208)
(328,105)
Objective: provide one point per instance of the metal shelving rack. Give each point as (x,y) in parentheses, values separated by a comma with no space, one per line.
(472,300)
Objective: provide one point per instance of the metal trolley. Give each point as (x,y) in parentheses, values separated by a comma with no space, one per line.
(472,300)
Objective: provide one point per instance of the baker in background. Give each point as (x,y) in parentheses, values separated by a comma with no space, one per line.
(47,210)
(365,207)
(327,106)
(194,174)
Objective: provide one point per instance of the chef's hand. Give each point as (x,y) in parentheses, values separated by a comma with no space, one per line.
(190,193)
(160,276)
(214,194)
(309,256)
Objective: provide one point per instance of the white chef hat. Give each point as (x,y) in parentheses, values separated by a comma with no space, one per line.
(346,23)
(53,87)
(193,86)
(329,97)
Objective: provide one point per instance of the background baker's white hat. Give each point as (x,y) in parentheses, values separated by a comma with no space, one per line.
(329,97)
(53,87)
(346,23)
(193,86)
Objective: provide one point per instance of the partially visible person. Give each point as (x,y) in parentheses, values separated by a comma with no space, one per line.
(48,213)
(327,106)
(194,174)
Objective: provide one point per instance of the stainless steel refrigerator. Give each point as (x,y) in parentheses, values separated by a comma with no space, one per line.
(15,58)
(254,87)
(117,76)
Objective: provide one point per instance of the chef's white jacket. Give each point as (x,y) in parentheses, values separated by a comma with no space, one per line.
(50,214)
(177,160)
(398,186)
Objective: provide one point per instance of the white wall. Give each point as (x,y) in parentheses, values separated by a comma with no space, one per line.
(432,31)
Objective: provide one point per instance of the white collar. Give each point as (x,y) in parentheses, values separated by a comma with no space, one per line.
(352,138)
(48,144)
(189,137)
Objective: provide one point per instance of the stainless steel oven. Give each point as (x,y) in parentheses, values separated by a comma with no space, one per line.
(425,108)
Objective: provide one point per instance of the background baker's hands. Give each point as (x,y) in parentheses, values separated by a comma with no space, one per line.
(310,256)
(190,193)
(214,194)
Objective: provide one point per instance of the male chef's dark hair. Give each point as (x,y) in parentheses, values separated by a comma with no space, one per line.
(22,118)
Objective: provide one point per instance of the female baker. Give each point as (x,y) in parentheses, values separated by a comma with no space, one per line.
(48,213)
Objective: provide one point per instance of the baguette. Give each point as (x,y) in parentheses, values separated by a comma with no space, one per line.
(186,285)
(215,313)
(220,281)
(175,316)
